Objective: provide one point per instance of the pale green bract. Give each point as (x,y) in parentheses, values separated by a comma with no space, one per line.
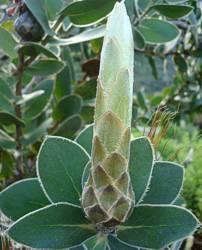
(107,196)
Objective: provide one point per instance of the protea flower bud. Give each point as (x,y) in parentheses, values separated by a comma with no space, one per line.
(107,196)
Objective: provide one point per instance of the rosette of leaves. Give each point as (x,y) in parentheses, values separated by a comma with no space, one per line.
(47,211)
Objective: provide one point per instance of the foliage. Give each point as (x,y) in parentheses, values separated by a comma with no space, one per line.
(63,168)
(186,149)
(183,145)
(52,77)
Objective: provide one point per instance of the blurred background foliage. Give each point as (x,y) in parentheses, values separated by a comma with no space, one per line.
(49,63)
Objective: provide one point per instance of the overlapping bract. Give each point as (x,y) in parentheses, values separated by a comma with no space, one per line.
(107,196)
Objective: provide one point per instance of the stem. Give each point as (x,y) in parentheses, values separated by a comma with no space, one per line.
(19,75)
(147,10)
(18,112)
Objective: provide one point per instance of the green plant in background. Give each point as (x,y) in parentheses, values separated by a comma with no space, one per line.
(47,210)
(38,94)
(181,144)
(171,74)
(185,148)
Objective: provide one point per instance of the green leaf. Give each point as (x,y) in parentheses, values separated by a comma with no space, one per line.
(142,100)
(80,247)
(156,226)
(66,107)
(173,11)
(53,7)
(181,63)
(6,165)
(66,161)
(141,166)
(85,36)
(57,226)
(68,57)
(86,174)
(69,127)
(87,114)
(35,134)
(9,119)
(6,141)
(115,244)
(152,63)
(63,83)
(166,183)
(5,104)
(28,97)
(97,242)
(33,49)
(85,138)
(5,89)
(139,42)
(45,67)
(39,11)
(176,1)
(130,6)
(87,90)
(21,198)
(158,31)
(36,106)
(88,11)
(66,77)
(7,43)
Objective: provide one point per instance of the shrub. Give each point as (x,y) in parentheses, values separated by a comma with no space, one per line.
(128,198)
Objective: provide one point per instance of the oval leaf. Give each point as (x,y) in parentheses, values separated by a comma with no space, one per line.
(98,242)
(60,166)
(173,11)
(53,7)
(7,165)
(115,244)
(139,42)
(45,67)
(88,11)
(67,106)
(157,226)
(6,142)
(22,198)
(39,11)
(31,48)
(36,106)
(5,104)
(141,166)
(63,83)
(87,90)
(85,138)
(158,31)
(85,36)
(57,226)
(7,43)
(5,89)
(35,134)
(9,119)
(69,127)
(166,183)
